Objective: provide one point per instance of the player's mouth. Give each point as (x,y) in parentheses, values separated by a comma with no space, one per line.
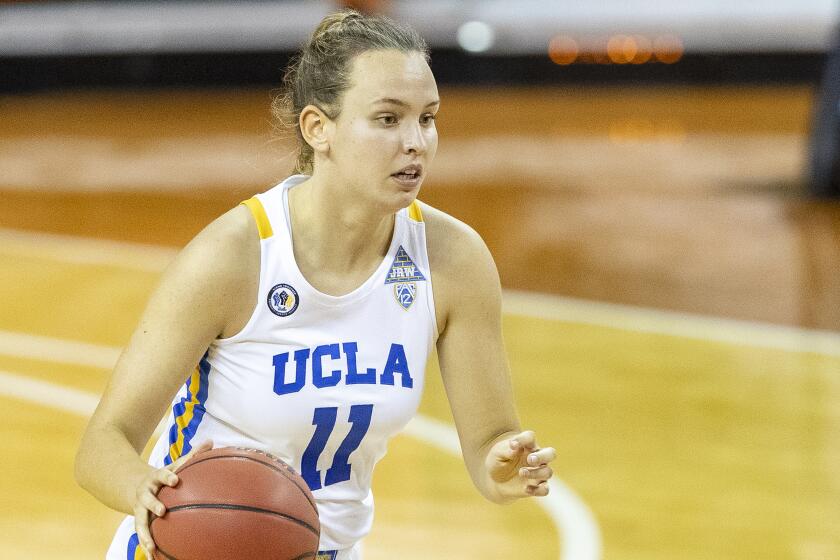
(409,176)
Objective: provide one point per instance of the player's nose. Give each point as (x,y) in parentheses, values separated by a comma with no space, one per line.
(413,140)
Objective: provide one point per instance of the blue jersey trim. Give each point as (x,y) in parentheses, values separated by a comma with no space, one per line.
(133,544)
(197,411)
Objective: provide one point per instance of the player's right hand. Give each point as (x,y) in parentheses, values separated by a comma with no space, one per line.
(146,504)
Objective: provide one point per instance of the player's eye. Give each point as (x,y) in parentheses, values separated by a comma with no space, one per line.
(428,118)
(387,119)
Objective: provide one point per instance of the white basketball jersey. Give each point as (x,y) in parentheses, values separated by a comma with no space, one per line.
(320,381)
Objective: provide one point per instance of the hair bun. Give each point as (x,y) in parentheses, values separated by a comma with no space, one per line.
(336,21)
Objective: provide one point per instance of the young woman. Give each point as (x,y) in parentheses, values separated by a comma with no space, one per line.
(311,310)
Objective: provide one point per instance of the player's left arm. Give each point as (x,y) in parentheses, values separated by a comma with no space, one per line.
(504,461)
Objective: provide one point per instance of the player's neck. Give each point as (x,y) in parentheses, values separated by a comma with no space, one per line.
(334,233)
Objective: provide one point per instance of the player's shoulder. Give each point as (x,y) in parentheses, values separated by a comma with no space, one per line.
(214,278)
(446,235)
(227,234)
(226,250)
(456,250)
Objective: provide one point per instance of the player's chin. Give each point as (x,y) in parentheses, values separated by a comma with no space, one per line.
(402,196)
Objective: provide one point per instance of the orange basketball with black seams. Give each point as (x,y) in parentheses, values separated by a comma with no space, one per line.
(235,503)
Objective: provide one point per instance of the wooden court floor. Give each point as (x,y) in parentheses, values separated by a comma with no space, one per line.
(672,319)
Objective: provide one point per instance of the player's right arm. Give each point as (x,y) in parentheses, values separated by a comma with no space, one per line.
(207,292)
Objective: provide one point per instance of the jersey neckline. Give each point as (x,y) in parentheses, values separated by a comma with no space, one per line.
(360,291)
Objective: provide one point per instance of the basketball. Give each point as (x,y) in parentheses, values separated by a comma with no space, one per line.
(235,503)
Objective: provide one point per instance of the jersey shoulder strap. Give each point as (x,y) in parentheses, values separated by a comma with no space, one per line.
(258,211)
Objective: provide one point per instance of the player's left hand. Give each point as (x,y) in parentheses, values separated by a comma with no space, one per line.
(518,467)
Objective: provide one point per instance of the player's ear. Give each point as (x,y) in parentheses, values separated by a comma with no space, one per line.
(314,127)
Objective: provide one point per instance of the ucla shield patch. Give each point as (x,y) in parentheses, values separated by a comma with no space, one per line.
(404,275)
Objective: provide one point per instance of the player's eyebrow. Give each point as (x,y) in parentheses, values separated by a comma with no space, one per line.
(401,103)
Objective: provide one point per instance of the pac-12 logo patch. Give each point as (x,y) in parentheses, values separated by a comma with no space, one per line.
(283,300)
(404,275)
(404,292)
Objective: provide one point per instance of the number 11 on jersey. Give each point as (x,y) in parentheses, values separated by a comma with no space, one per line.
(324,421)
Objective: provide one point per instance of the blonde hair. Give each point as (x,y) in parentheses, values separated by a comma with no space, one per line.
(320,73)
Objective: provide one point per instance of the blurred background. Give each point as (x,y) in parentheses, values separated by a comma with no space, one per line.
(658,182)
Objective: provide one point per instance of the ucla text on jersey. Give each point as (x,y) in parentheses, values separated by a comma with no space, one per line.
(313,369)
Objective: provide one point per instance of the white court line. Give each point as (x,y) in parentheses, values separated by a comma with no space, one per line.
(572,519)
(85,251)
(670,323)
(47,394)
(57,350)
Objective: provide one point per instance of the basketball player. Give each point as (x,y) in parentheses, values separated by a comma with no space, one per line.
(311,310)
